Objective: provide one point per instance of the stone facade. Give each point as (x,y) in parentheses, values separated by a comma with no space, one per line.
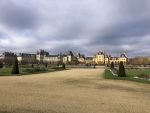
(43,56)
(25,58)
(81,59)
(89,60)
(52,59)
(7,57)
(69,58)
(102,58)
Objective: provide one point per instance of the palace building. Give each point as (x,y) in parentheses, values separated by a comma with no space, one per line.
(81,58)
(25,58)
(7,57)
(43,56)
(102,59)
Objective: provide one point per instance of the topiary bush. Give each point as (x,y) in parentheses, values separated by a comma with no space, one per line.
(15,69)
(63,66)
(121,71)
(32,65)
(112,65)
(1,65)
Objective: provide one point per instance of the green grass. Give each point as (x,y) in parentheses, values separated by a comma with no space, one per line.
(109,75)
(6,71)
(136,72)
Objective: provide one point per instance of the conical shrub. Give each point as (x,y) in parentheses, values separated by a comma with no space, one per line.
(121,72)
(63,66)
(15,69)
(112,65)
(1,65)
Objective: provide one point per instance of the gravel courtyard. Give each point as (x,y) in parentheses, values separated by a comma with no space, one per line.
(72,91)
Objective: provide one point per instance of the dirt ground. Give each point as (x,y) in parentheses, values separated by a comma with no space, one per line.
(72,91)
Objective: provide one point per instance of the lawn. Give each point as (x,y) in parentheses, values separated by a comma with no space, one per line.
(131,73)
(6,71)
(137,72)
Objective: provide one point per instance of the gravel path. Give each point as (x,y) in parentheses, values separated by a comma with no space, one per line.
(72,91)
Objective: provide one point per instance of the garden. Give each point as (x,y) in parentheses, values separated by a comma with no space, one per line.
(138,75)
(16,69)
(131,74)
(7,71)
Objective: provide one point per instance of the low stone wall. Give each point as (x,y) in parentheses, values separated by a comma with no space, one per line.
(112,72)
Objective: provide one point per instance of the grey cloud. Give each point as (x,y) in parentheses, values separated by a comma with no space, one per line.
(17,17)
(124,33)
(87,26)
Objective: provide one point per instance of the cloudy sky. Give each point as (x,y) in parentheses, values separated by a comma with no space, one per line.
(85,26)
